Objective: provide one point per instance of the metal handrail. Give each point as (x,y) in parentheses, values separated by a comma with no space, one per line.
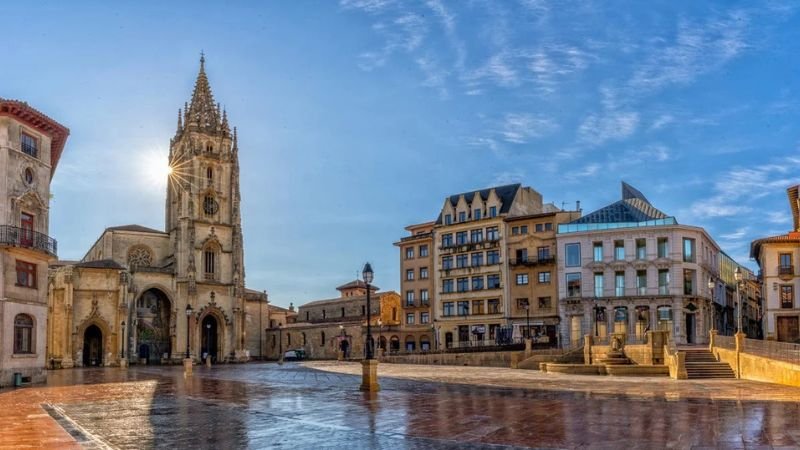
(27,238)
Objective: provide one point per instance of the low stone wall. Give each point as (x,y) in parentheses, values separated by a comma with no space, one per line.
(758,368)
(486,359)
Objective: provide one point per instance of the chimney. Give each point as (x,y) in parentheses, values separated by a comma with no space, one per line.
(578,205)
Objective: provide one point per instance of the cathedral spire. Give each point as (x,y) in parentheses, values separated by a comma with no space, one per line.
(203,112)
(180,121)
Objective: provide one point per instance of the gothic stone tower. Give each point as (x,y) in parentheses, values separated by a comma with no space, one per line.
(203,220)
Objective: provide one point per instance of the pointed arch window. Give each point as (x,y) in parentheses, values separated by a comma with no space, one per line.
(210,174)
(210,262)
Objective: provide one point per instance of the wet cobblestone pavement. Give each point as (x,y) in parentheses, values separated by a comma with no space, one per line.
(318,405)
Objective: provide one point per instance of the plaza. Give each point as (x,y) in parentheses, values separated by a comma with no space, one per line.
(318,404)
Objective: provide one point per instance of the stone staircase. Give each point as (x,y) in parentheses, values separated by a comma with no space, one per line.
(700,363)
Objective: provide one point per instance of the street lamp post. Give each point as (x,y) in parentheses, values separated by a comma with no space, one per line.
(369,379)
(711,286)
(187,363)
(122,361)
(341,343)
(208,344)
(596,327)
(280,344)
(528,318)
(380,330)
(738,276)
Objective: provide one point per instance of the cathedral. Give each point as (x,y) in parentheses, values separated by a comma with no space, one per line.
(147,296)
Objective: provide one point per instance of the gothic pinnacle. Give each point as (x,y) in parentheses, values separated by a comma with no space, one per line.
(180,121)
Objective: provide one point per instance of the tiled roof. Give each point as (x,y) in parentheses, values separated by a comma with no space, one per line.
(755,246)
(633,207)
(31,116)
(357,284)
(134,227)
(505,193)
(375,295)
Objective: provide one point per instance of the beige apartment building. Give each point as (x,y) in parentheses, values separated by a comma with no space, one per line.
(778,257)
(473,304)
(533,287)
(324,328)
(30,146)
(417,288)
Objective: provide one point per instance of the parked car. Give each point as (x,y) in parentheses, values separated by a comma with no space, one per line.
(294,355)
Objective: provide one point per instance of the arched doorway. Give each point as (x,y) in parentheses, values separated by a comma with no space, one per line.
(153,314)
(209,341)
(394,344)
(92,346)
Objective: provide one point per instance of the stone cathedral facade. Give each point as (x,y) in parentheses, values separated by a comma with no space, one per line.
(150,296)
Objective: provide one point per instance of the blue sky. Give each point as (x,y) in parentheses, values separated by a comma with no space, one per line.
(359,117)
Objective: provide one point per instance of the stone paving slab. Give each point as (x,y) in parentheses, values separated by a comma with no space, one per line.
(318,405)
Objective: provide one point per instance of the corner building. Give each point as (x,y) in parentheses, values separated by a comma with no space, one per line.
(628,268)
(30,146)
(154,296)
(778,258)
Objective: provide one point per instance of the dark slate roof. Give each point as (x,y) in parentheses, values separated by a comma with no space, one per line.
(504,193)
(633,207)
(101,264)
(357,284)
(134,227)
(374,296)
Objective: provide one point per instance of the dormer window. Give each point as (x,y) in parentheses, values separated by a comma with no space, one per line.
(448,219)
(462,216)
(476,215)
(29,144)
(493,211)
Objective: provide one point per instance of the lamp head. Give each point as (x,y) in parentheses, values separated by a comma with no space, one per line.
(737,274)
(367,273)
(711,283)
(189,310)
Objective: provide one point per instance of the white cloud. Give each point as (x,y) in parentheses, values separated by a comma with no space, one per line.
(508,177)
(662,121)
(779,217)
(696,50)
(370,6)
(737,234)
(597,129)
(448,21)
(520,128)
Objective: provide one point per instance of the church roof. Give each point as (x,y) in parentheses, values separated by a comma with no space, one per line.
(101,264)
(633,207)
(134,227)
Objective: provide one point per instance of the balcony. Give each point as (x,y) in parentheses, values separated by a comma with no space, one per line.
(530,262)
(786,271)
(26,238)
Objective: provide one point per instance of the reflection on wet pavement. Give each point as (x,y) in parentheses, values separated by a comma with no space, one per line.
(319,405)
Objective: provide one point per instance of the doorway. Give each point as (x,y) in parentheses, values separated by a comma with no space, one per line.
(92,346)
(788,329)
(690,328)
(210,339)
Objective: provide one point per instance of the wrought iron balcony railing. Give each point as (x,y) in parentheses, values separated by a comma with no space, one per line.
(26,238)
(786,270)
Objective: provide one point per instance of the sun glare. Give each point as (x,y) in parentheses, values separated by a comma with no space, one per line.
(153,168)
